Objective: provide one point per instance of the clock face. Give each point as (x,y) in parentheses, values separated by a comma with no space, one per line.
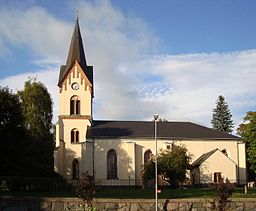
(75,86)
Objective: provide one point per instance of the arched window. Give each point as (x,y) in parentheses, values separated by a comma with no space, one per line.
(74,105)
(111,164)
(75,169)
(147,155)
(74,136)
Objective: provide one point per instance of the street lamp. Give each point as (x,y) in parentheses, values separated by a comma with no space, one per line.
(156,116)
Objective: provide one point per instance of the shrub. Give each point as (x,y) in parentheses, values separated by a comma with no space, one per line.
(85,189)
(224,191)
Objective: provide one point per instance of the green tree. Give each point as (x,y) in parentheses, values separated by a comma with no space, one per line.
(148,173)
(172,166)
(247,130)
(36,105)
(224,191)
(12,134)
(221,117)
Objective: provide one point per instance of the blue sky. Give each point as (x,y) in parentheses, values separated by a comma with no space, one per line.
(168,57)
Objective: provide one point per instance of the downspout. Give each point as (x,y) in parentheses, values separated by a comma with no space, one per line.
(246,167)
(238,164)
(93,170)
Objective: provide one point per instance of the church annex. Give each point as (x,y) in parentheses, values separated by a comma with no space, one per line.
(117,150)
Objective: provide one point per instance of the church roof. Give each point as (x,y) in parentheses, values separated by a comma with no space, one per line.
(76,52)
(203,158)
(145,129)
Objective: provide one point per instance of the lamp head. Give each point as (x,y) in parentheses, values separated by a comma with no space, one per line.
(156,116)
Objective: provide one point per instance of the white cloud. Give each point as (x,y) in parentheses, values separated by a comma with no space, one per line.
(196,80)
(129,85)
(45,35)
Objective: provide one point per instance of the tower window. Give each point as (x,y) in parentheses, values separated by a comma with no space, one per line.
(74,136)
(74,105)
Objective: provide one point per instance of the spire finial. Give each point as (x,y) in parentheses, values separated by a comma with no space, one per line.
(77,15)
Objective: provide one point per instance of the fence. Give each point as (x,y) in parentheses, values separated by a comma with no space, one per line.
(119,182)
(58,184)
(34,184)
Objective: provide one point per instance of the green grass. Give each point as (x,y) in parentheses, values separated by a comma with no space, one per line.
(141,193)
(170,193)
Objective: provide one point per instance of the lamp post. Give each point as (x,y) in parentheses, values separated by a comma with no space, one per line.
(156,116)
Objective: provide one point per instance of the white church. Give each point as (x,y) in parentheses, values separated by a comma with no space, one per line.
(117,150)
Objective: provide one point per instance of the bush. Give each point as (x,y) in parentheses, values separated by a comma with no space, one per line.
(85,189)
(224,191)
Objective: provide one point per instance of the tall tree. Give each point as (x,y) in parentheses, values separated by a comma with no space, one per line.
(12,134)
(36,104)
(248,131)
(221,117)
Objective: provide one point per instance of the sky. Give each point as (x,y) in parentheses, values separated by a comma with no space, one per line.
(171,57)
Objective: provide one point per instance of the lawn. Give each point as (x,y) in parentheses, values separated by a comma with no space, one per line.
(141,193)
(170,193)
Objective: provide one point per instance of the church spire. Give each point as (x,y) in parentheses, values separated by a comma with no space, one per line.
(76,50)
(76,53)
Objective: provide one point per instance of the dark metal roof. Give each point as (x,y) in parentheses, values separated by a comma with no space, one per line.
(203,158)
(145,129)
(76,52)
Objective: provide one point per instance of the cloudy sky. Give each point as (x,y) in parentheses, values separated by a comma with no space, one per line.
(168,57)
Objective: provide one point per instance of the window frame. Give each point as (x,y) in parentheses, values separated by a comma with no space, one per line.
(112,164)
(74,136)
(75,105)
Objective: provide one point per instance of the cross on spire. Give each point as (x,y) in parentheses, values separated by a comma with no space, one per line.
(77,15)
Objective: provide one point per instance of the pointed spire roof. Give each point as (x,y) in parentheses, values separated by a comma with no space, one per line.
(76,52)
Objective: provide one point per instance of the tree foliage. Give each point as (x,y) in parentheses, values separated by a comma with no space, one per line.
(224,191)
(172,166)
(26,139)
(13,135)
(221,117)
(148,173)
(36,105)
(36,108)
(85,189)
(248,131)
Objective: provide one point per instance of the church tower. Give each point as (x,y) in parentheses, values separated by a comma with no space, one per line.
(75,115)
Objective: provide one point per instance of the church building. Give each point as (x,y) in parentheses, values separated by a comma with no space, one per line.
(117,150)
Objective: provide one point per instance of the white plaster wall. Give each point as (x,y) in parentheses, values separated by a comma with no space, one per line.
(218,162)
(80,124)
(198,147)
(125,161)
(87,155)
(133,159)
(242,163)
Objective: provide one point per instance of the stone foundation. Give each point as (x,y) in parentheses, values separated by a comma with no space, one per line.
(8,203)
